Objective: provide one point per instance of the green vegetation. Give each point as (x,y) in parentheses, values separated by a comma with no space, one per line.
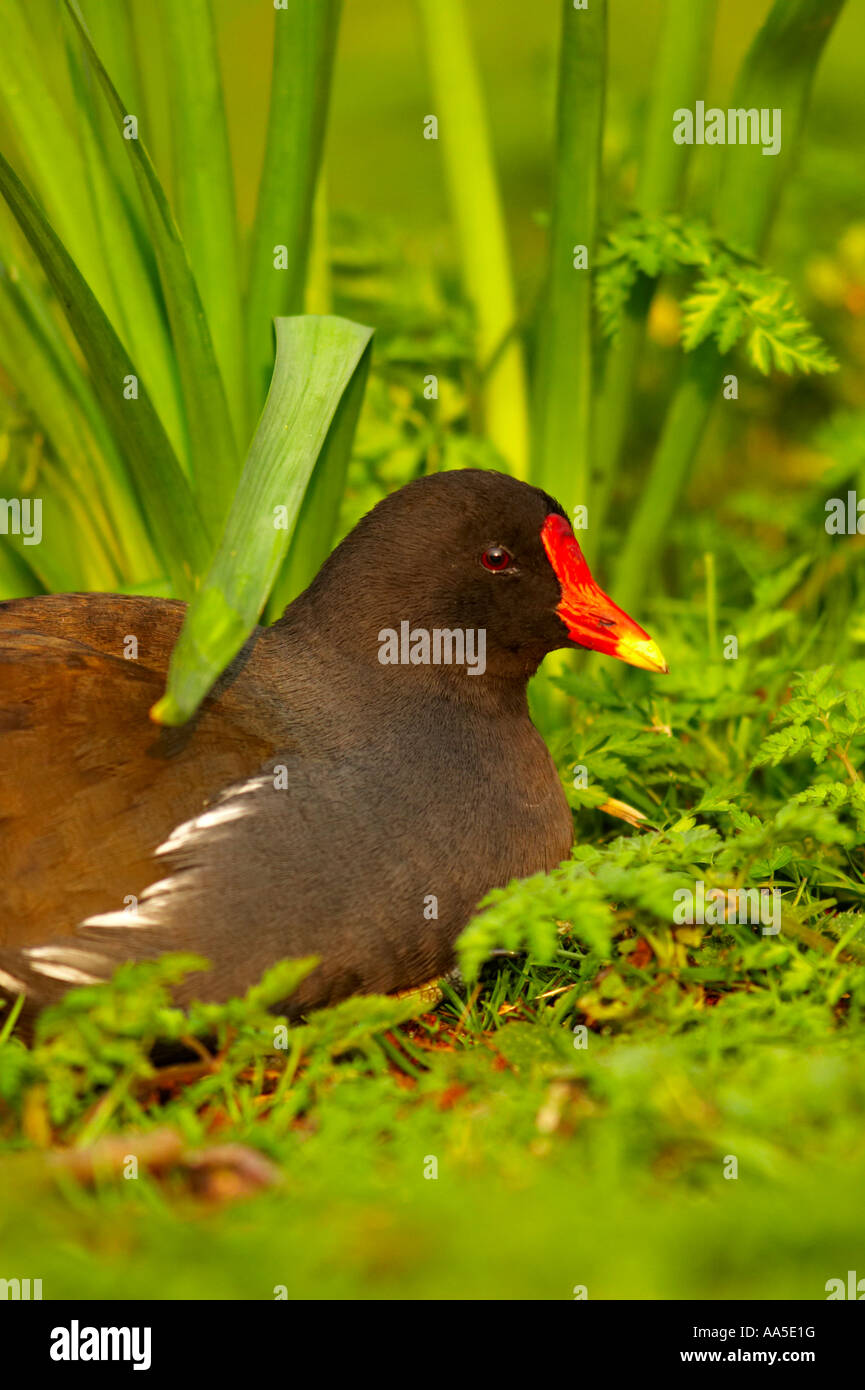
(558,1165)
(564,1158)
(147,406)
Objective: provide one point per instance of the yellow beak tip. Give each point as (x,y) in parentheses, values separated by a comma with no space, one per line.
(647,655)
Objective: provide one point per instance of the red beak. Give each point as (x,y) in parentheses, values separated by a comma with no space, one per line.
(592,619)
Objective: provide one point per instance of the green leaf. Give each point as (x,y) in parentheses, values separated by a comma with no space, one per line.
(678,74)
(784,744)
(47,144)
(705,311)
(476,209)
(648,246)
(759,347)
(211,435)
(48,376)
(771,589)
(525,916)
(730,327)
(304,44)
(778,72)
(312,540)
(60,168)
(128,288)
(205,186)
(613,285)
(178,533)
(563,381)
(737,298)
(316,359)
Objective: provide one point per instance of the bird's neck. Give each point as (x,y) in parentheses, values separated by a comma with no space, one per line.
(402,664)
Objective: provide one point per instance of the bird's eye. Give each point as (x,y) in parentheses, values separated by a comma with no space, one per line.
(495,558)
(606,622)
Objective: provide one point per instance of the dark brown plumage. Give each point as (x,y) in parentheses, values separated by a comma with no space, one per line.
(320,800)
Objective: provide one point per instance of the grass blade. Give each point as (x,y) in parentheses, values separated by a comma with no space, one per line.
(34,372)
(211,436)
(683,430)
(76,422)
(205,187)
(47,144)
(304,44)
(178,535)
(151,63)
(680,71)
(134,302)
(476,205)
(318,296)
(563,378)
(66,169)
(316,359)
(112,29)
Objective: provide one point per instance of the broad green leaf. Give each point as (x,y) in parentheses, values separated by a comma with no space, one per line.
(211,435)
(177,534)
(312,540)
(316,360)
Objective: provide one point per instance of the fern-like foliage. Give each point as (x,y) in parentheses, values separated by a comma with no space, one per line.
(529,914)
(650,246)
(733,300)
(826,723)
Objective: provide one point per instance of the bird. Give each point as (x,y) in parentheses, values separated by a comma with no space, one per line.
(362,774)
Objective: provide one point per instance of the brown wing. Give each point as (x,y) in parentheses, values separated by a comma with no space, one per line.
(89,786)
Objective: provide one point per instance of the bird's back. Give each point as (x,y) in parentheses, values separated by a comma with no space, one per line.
(90,786)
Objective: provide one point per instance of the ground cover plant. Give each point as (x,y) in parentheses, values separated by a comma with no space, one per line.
(609,1102)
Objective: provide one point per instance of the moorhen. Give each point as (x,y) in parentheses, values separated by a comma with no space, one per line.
(356,781)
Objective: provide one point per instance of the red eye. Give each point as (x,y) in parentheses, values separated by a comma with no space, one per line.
(496,558)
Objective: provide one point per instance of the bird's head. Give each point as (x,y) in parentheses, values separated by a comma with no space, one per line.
(474,549)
